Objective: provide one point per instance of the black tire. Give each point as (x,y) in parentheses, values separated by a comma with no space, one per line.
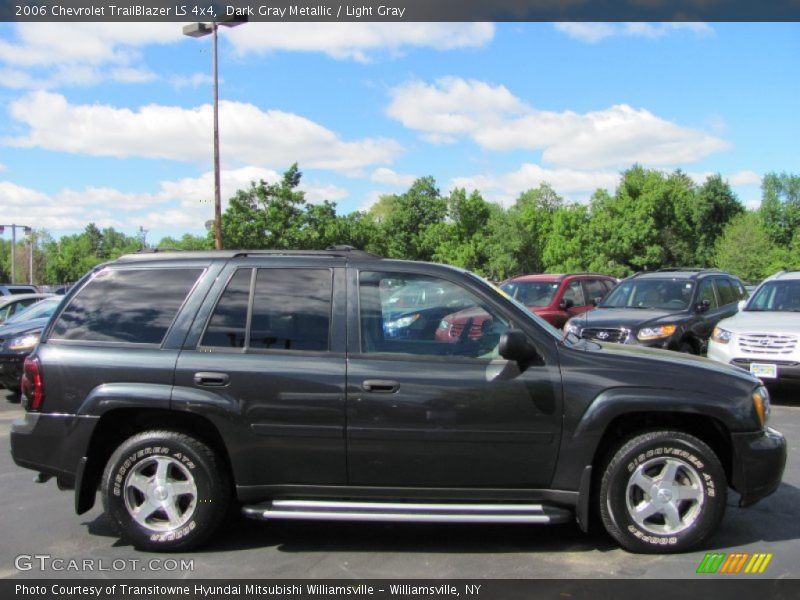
(686,347)
(180,486)
(672,464)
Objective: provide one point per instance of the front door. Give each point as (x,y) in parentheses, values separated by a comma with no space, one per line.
(429,401)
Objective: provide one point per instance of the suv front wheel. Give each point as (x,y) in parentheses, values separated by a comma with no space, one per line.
(165,490)
(662,491)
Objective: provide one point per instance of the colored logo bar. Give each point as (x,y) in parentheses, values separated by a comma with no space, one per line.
(734,563)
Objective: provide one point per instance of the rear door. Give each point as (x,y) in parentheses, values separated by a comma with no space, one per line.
(429,401)
(265,361)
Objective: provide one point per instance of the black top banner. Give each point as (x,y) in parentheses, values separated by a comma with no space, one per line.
(399,10)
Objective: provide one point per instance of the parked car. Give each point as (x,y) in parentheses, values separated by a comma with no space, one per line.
(12,304)
(10,289)
(178,383)
(672,309)
(557,298)
(19,335)
(764,336)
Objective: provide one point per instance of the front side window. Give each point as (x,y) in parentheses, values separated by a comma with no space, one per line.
(727,294)
(574,292)
(451,322)
(126,305)
(706,292)
(595,288)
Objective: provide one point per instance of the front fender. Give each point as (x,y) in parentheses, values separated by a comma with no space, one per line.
(582,437)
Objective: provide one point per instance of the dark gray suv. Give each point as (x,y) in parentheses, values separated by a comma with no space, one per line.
(296,385)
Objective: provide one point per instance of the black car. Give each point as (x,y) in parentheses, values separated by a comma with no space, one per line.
(669,308)
(179,383)
(19,335)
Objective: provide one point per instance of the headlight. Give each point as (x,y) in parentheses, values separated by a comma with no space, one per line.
(573,328)
(721,336)
(402,322)
(24,342)
(656,333)
(761,404)
(444,324)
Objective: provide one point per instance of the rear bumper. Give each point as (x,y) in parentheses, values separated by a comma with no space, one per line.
(51,443)
(758,462)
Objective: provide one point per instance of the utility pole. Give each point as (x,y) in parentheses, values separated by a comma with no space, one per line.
(28,231)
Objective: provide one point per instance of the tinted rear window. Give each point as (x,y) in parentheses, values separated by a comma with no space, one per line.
(130,305)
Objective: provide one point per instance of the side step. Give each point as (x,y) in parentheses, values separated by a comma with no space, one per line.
(329,510)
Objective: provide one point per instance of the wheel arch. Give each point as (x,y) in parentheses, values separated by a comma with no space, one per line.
(115,426)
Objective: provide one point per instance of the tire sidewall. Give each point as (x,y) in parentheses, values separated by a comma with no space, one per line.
(676,446)
(135,451)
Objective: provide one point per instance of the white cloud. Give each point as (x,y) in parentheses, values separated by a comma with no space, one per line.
(744,178)
(3,167)
(275,138)
(592,33)
(506,187)
(51,55)
(389,177)
(357,41)
(179,204)
(495,119)
(738,178)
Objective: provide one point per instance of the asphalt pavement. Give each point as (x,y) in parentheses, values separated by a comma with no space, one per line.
(42,537)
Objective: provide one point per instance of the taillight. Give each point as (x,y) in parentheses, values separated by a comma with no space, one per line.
(32,384)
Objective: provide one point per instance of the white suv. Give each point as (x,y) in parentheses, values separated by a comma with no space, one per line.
(764,336)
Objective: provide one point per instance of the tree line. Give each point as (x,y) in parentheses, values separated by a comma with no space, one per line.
(652,220)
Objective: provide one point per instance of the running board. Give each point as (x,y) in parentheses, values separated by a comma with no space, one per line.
(326,510)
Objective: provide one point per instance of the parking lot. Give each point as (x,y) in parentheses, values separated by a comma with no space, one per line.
(38,520)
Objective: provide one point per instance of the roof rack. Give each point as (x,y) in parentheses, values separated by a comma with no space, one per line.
(687,269)
(330,252)
(340,251)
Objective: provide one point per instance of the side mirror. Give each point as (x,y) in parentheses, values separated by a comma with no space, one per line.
(514,345)
(566,304)
(742,304)
(597,300)
(703,306)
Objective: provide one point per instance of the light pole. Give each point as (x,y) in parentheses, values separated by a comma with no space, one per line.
(197,30)
(26,230)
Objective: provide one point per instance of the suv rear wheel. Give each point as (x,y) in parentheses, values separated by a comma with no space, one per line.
(165,490)
(662,491)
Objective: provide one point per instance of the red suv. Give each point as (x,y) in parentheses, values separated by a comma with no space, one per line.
(555,298)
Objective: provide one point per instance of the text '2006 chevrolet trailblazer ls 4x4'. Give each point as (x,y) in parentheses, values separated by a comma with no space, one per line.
(292,384)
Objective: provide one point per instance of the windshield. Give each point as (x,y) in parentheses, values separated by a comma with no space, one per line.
(669,294)
(41,309)
(531,293)
(776,296)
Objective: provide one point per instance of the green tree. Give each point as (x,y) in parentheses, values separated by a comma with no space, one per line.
(744,248)
(411,215)
(780,206)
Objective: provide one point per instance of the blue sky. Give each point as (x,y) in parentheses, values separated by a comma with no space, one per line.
(112,122)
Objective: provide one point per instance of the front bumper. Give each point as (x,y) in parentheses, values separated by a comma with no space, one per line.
(788,365)
(758,462)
